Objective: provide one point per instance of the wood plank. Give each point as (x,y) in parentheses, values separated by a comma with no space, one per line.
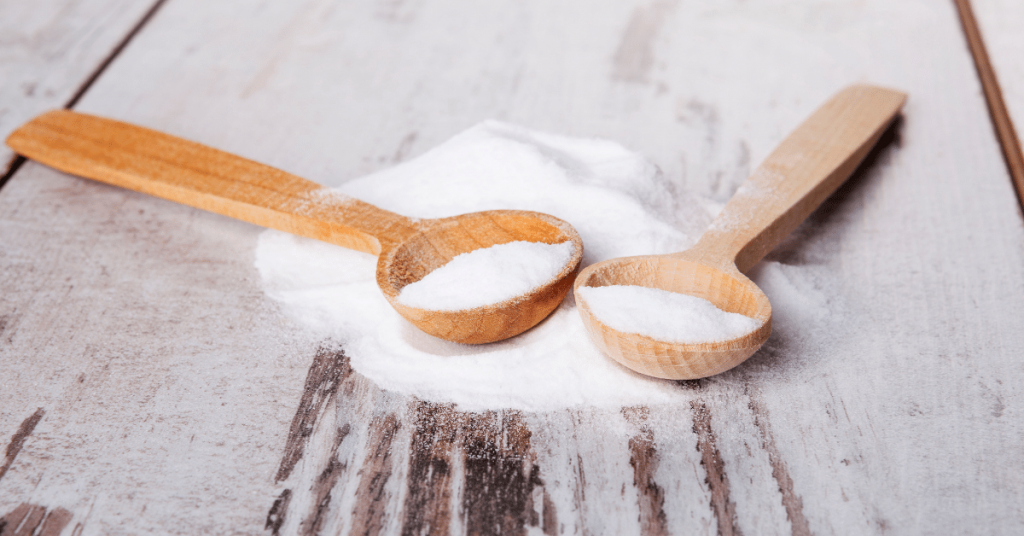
(112,352)
(50,49)
(177,395)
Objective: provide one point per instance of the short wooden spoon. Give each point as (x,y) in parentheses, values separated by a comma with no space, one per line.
(804,170)
(179,170)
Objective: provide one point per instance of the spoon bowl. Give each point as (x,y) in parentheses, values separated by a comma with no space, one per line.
(804,170)
(441,240)
(725,287)
(165,166)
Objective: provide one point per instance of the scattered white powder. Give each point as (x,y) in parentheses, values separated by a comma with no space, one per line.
(619,203)
(488,275)
(663,315)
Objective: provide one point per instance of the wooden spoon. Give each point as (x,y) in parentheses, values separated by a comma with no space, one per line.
(179,170)
(804,170)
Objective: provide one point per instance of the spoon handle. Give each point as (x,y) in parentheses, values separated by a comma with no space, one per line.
(165,166)
(801,173)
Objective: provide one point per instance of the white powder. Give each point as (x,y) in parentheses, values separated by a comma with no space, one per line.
(663,315)
(619,203)
(488,275)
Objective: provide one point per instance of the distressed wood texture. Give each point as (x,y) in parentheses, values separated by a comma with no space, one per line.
(149,385)
(50,49)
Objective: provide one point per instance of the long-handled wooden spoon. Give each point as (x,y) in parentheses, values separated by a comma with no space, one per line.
(179,170)
(804,170)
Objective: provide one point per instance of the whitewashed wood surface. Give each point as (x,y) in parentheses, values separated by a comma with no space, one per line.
(1002,23)
(150,386)
(49,50)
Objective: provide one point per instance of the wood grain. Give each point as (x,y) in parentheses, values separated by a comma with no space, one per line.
(172,168)
(18,439)
(171,382)
(717,480)
(644,460)
(28,520)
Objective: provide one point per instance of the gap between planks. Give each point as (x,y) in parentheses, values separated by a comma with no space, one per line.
(15,163)
(1005,132)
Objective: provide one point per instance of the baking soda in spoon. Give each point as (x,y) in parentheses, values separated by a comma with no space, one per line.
(488,275)
(664,315)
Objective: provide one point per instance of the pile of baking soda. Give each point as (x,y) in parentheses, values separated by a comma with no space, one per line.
(619,203)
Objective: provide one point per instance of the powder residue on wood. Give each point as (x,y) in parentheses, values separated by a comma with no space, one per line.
(663,315)
(488,275)
(620,204)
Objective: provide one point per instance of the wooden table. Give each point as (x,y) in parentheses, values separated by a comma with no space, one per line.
(147,384)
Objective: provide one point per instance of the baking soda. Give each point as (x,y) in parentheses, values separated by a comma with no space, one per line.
(663,315)
(488,276)
(619,203)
